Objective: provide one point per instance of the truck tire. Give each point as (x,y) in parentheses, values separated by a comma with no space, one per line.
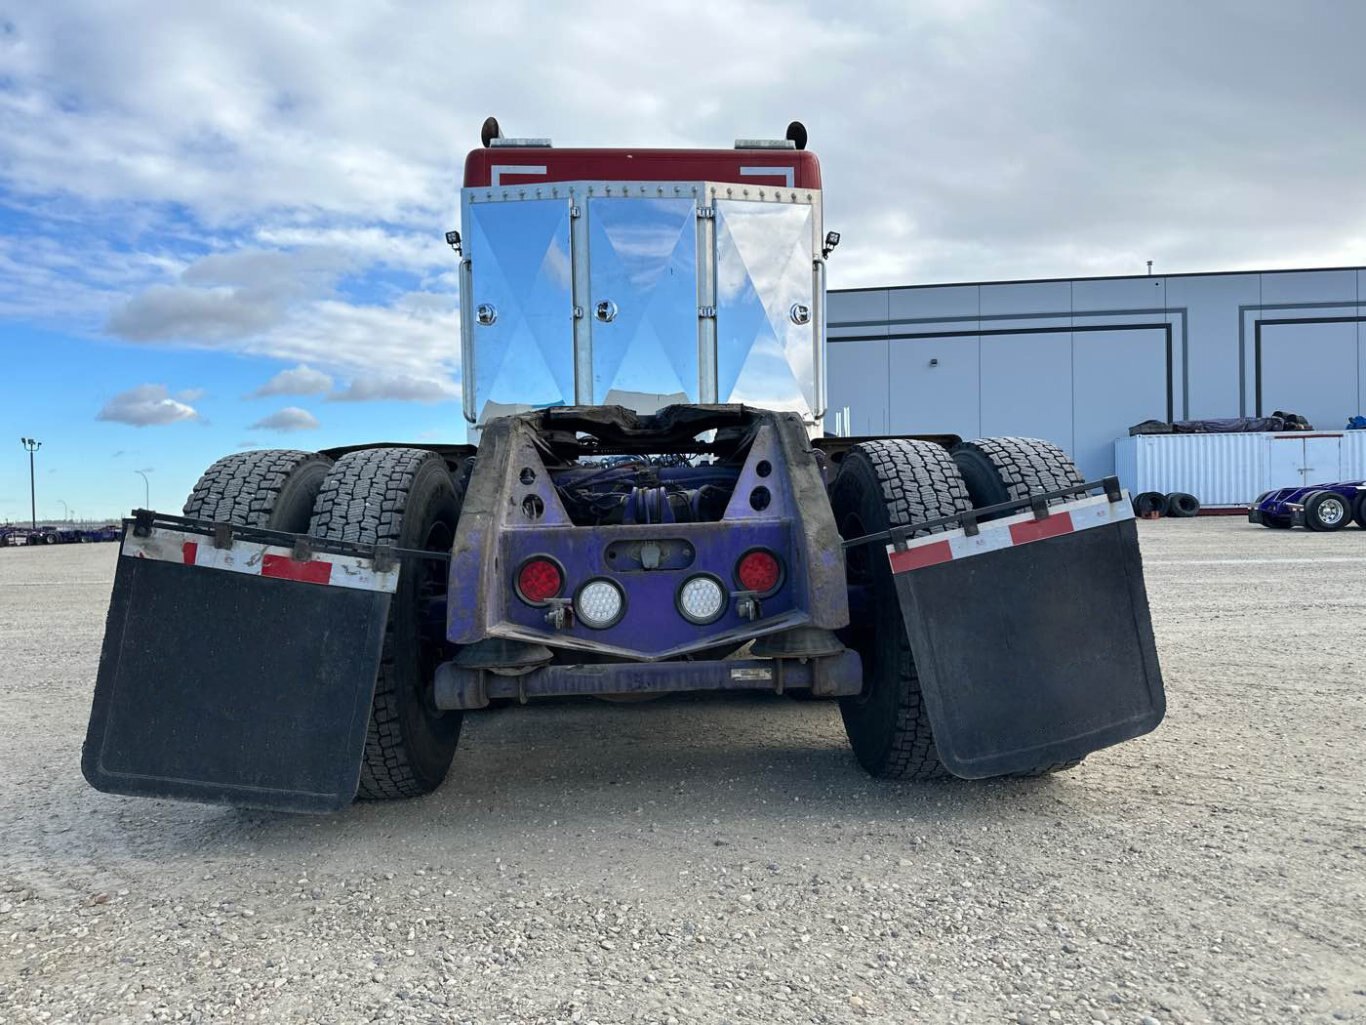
(883,484)
(273,489)
(1181,505)
(1326,511)
(405,497)
(1360,514)
(998,470)
(1150,504)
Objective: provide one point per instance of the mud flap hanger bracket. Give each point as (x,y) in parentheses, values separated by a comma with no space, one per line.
(1040,505)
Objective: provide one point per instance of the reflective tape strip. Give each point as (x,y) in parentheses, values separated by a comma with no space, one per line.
(1009,532)
(353,571)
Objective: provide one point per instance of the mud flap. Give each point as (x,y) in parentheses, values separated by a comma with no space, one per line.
(236,672)
(1032,636)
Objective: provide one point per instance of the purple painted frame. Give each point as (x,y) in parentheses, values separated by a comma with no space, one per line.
(513,512)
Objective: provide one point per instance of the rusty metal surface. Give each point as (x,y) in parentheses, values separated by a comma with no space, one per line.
(513,511)
(830,676)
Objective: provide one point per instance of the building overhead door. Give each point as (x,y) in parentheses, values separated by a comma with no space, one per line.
(1120,377)
(858,384)
(1309,367)
(934,387)
(1027,386)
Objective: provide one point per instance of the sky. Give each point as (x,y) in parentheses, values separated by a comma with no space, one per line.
(221,223)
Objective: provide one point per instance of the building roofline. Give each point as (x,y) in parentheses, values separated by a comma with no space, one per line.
(1100,277)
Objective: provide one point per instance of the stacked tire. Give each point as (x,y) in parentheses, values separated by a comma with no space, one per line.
(1182,505)
(1152,505)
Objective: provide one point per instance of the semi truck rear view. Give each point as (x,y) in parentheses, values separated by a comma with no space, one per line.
(651,506)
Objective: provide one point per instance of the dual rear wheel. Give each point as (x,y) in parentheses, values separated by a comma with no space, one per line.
(895,482)
(409,498)
(404,497)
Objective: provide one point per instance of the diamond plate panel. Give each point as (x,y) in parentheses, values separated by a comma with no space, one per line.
(521,269)
(763,269)
(643,301)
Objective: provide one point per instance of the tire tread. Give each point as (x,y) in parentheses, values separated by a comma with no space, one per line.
(243,488)
(919,481)
(363,500)
(1027,466)
(1024,467)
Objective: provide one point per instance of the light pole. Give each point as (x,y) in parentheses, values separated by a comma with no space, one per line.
(146,489)
(33,446)
(66,510)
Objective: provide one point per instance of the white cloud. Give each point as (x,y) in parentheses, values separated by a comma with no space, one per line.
(145,406)
(169,312)
(300,380)
(49,279)
(403,338)
(960,141)
(368,245)
(235,110)
(396,388)
(229,295)
(285,304)
(291,418)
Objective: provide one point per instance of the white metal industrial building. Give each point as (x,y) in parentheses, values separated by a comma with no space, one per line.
(1079,361)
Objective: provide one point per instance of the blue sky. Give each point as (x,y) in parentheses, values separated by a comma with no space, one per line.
(197,200)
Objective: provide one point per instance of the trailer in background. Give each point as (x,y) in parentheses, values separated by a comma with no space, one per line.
(1230,471)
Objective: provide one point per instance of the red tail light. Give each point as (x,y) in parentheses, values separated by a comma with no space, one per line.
(759,571)
(539,579)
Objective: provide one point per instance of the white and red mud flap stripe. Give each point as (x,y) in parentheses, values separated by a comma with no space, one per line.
(351,571)
(1010,532)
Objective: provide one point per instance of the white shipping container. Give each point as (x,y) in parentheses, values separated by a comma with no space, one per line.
(1233,469)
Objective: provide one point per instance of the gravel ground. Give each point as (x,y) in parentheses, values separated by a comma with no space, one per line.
(725,860)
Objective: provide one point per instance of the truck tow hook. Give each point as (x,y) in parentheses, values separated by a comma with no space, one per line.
(748,605)
(561,614)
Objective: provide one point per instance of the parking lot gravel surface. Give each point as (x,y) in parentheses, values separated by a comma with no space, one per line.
(725,860)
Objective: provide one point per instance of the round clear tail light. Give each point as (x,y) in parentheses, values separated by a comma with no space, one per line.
(539,580)
(599,604)
(759,571)
(701,599)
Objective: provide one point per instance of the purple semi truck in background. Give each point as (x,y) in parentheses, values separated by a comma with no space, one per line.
(649,505)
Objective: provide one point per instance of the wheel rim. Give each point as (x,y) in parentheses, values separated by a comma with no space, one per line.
(1332,512)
